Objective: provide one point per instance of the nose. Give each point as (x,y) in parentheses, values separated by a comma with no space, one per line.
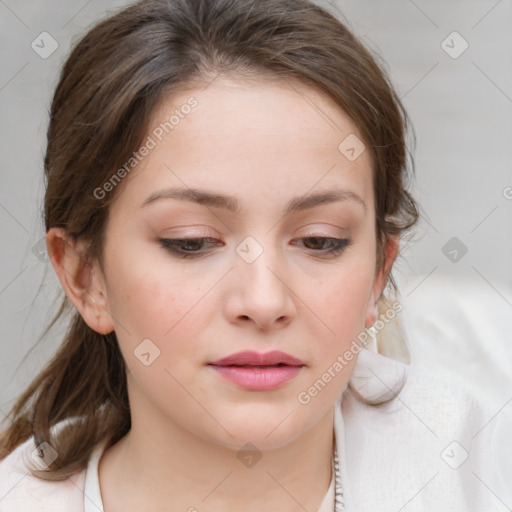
(261,293)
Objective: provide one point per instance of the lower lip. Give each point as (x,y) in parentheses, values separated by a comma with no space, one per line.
(258,378)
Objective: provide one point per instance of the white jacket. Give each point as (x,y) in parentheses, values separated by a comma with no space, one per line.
(430,449)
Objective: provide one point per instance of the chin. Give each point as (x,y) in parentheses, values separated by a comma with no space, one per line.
(267,426)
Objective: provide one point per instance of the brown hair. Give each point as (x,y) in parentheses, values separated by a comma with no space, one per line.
(110,85)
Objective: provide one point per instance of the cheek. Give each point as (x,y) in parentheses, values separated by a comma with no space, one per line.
(159,309)
(342,298)
(170,316)
(152,300)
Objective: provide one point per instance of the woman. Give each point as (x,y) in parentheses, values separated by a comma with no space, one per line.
(226,191)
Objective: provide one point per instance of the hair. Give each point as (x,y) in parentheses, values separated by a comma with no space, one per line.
(114,79)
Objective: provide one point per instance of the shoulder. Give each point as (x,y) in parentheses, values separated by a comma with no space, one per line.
(430,400)
(20,491)
(432,442)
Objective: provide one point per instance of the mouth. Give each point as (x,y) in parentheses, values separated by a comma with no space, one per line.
(258,372)
(253,366)
(252,359)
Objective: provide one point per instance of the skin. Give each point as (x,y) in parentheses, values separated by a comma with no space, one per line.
(264,143)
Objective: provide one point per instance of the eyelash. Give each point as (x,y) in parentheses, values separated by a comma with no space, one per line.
(172,245)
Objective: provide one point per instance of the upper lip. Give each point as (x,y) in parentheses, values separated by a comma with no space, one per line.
(251,358)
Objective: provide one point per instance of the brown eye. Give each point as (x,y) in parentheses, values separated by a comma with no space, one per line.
(326,245)
(187,247)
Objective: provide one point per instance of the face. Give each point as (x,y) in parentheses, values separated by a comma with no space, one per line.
(223,239)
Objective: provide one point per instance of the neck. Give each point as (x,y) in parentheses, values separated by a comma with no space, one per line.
(158,464)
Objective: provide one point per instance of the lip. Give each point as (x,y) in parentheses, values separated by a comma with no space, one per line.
(252,358)
(256,371)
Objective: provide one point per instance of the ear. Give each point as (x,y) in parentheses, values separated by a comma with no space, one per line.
(381,278)
(82,281)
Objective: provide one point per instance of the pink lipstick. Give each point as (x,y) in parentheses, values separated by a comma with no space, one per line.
(256,371)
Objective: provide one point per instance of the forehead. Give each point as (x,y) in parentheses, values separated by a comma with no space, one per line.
(265,140)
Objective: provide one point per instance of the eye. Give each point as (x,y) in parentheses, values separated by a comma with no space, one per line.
(326,245)
(188,247)
(196,247)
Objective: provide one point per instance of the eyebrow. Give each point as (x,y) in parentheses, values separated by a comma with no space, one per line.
(230,203)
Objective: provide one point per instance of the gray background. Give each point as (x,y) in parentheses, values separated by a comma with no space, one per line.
(461,110)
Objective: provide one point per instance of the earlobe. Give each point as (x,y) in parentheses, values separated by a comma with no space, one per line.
(381,278)
(81,280)
(371,314)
